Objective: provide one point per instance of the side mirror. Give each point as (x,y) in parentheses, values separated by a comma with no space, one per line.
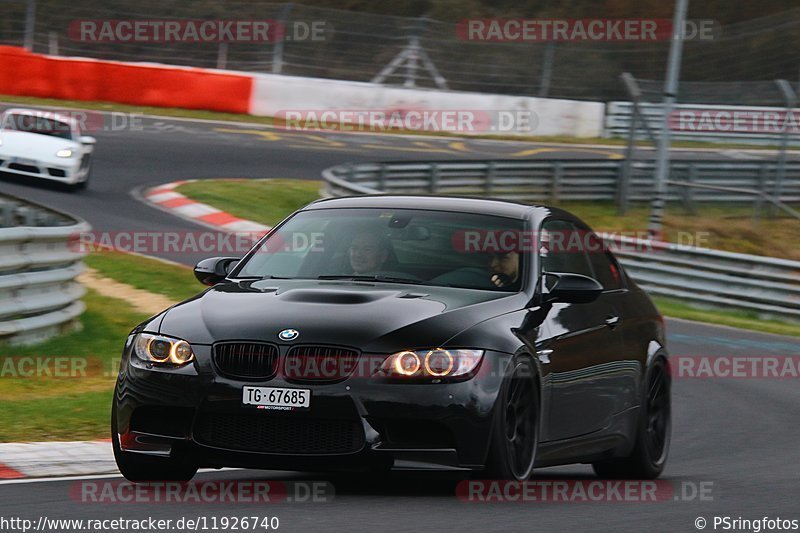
(214,270)
(571,288)
(85,139)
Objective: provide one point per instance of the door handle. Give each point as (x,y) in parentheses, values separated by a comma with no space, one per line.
(544,355)
(612,321)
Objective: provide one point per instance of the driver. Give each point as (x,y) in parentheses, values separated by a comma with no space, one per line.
(368,252)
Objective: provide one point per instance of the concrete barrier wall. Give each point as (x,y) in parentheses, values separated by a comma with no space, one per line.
(26,74)
(70,78)
(273,95)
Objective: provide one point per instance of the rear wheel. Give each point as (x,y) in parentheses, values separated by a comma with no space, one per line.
(649,455)
(142,468)
(516,430)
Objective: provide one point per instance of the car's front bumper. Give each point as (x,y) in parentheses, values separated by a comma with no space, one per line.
(359,423)
(66,170)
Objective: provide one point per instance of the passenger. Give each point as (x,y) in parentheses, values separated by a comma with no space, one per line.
(504,270)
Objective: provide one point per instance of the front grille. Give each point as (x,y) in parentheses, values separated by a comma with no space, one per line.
(247,360)
(260,432)
(319,363)
(24,168)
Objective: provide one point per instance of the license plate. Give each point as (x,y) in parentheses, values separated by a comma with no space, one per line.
(277,399)
(23,161)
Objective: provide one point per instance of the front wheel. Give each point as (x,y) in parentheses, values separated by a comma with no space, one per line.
(142,468)
(515,435)
(649,455)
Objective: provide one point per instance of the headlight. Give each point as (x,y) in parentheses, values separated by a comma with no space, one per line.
(437,363)
(66,152)
(162,350)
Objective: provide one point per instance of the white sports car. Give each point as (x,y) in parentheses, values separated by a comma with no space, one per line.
(44,144)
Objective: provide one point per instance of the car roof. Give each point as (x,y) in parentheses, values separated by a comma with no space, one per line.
(42,113)
(430,202)
(464,204)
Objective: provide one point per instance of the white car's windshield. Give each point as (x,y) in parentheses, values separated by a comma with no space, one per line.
(34,123)
(391,245)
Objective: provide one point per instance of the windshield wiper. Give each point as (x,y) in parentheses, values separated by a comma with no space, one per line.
(256,278)
(382,279)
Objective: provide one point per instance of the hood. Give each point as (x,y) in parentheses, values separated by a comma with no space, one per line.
(378,317)
(33,145)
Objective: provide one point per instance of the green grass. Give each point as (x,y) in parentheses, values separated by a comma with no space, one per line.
(73,408)
(750,320)
(44,408)
(264,201)
(74,416)
(726,227)
(269,121)
(173,281)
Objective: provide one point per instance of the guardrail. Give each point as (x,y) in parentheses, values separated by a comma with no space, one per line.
(767,286)
(560,180)
(619,119)
(39,296)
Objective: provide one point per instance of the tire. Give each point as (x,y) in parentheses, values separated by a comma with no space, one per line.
(515,434)
(651,448)
(142,468)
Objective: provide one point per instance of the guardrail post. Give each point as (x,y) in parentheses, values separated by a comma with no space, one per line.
(277,49)
(382,178)
(790,99)
(558,172)
(624,178)
(351,172)
(52,43)
(434,185)
(222,56)
(688,194)
(30,23)
(758,202)
(490,175)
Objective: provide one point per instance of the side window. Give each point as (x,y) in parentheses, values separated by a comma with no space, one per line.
(606,270)
(562,248)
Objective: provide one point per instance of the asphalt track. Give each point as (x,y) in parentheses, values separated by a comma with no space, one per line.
(737,438)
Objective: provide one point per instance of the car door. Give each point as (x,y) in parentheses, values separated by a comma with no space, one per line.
(577,360)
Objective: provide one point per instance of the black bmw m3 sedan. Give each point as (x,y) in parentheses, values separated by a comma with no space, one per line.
(402,332)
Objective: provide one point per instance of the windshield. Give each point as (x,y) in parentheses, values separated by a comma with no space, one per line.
(33,123)
(390,245)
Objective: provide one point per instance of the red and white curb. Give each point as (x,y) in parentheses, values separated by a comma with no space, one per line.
(165,197)
(20,460)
